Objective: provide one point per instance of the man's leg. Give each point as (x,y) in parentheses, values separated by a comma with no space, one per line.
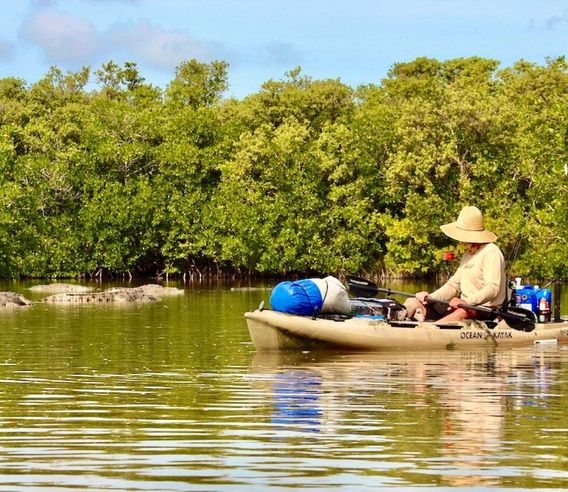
(458,314)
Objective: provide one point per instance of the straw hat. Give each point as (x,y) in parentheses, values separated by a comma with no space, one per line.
(469,228)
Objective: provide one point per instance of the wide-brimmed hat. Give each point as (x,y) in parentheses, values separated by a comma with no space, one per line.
(469,228)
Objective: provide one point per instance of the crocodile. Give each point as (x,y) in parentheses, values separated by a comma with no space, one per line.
(12,299)
(144,293)
(61,288)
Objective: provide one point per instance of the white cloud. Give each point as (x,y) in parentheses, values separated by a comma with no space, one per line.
(64,38)
(160,48)
(67,39)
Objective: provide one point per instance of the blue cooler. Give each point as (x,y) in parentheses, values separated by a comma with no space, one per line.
(525,298)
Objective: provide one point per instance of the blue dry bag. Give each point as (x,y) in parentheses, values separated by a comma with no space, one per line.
(301,297)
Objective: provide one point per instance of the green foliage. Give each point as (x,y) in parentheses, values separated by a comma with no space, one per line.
(304,176)
(313,102)
(116,225)
(198,84)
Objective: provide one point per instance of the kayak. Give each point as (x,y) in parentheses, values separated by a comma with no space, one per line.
(272,330)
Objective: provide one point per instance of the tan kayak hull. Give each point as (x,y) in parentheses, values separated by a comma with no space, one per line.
(271,330)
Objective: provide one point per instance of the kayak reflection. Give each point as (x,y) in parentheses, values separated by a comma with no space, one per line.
(452,414)
(296,399)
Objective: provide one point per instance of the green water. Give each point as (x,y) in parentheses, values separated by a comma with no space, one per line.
(171,396)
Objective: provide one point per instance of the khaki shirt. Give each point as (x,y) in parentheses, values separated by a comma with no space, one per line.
(479,280)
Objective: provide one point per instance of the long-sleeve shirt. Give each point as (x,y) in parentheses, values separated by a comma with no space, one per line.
(479,280)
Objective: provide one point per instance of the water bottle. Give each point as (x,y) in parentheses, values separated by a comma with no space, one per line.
(544,297)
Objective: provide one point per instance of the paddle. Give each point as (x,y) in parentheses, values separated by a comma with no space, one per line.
(517,318)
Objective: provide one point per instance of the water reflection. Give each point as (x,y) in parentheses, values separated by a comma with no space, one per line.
(451,416)
(474,422)
(171,396)
(297,399)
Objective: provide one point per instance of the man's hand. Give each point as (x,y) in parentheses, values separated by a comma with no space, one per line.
(422,297)
(456,303)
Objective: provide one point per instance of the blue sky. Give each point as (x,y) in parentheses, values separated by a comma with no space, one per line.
(356,41)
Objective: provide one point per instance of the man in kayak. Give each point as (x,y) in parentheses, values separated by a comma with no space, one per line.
(478,281)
